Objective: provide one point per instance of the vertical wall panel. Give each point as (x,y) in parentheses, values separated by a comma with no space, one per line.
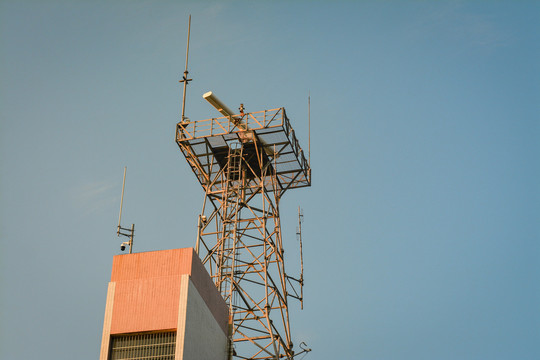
(205,286)
(109,305)
(146,304)
(151,264)
(204,338)
(181,321)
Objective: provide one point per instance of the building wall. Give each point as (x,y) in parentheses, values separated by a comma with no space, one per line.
(166,290)
(204,338)
(146,304)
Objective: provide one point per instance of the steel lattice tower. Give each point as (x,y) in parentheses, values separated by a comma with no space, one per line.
(245,163)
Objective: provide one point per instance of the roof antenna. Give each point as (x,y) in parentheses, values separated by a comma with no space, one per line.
(128,232)
(185,79)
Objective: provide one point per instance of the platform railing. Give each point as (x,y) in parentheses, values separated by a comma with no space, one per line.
(190,130)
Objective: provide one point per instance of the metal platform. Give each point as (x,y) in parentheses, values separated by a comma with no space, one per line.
(205,144)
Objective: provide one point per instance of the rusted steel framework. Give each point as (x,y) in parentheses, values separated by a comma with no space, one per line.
(245,163)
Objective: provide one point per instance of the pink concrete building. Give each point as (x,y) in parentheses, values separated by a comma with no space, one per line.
(163,305)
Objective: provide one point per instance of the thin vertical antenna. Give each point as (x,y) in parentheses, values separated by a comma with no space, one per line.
(299,235)
(309,128)
(121,201)
(127,232)
(130,242)
(185,80)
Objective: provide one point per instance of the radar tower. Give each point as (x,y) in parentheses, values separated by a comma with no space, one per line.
(245,163)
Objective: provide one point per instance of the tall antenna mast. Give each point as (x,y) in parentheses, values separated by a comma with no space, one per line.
(185,79)
(128,232)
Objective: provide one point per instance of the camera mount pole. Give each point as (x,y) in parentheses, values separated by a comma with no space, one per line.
(129,232)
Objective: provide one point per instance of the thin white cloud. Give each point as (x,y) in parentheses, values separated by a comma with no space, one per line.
(94,196)
(214,11)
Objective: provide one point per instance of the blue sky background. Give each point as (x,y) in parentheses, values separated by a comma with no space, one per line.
(422,227)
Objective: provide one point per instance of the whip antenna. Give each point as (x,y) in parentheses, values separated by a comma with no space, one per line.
(128,232)
(121,201)
(185,79)
(309,127)
(299,237)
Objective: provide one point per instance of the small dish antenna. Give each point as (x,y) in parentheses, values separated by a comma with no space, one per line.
(127,232)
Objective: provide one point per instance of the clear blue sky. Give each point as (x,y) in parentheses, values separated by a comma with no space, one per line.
(422,227)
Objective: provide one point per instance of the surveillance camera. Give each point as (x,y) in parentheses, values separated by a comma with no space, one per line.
(122,247)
